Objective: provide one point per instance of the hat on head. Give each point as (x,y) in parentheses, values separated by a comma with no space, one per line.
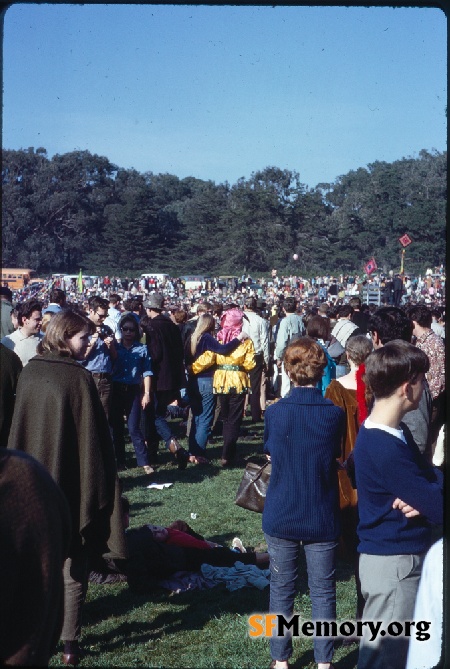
(4,290)
(155,301)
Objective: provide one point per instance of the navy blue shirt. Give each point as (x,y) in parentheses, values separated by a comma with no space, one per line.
(303,434)
(386,468)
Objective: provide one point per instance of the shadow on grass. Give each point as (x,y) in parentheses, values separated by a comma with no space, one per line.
(180,614)
(188,615)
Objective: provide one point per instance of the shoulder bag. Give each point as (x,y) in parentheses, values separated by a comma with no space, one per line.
(252,490)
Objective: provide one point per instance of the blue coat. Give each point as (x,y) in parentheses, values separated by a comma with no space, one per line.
(303,434)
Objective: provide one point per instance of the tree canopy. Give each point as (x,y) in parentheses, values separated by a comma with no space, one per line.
(80,210)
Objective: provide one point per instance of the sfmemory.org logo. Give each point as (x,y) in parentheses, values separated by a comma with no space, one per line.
(275,624)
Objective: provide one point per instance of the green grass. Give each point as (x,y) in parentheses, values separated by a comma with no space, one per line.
(202,628)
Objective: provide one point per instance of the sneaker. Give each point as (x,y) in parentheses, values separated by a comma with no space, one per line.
(238,545)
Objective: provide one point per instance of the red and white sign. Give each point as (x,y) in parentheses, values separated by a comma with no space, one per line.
(405,240)
(370,266)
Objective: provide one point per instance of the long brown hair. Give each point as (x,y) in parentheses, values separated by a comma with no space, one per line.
(61,327)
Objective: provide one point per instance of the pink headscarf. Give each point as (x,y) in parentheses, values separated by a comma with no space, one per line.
(231,323)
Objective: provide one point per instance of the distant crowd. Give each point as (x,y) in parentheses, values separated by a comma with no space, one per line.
(377,289)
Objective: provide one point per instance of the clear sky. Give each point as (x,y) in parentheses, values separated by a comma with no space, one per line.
(218,92)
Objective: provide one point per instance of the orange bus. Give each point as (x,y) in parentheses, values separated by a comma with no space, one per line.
(16,277)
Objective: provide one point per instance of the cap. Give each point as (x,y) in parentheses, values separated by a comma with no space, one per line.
(155,301)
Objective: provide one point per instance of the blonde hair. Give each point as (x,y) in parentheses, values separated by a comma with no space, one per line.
(205,323)
(46,318)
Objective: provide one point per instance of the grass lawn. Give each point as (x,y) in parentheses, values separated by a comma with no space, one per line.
(201,628)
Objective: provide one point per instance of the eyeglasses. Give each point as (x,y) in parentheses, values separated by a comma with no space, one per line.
(128,329)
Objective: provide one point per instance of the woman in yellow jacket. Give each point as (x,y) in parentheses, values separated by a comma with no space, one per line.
(231,381)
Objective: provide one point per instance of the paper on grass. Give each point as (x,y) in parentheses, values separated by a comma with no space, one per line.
(159,486)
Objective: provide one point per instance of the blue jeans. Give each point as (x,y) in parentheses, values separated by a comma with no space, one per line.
(321,566)
(203,404)
(156,425)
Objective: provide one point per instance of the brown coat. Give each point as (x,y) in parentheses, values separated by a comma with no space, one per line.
(59,420)
(35,536)
(348,497)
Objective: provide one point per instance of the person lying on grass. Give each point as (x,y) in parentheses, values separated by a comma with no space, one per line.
(155,553)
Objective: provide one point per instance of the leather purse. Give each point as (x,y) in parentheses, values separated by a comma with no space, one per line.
(252,490)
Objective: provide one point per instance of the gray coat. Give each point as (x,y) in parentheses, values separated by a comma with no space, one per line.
(7,327)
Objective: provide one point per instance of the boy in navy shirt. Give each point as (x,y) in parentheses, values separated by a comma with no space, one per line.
(399,497)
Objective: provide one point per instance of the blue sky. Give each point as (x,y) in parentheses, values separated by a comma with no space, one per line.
(220,92)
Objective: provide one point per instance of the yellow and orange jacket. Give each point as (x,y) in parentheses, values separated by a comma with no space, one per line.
(231,373)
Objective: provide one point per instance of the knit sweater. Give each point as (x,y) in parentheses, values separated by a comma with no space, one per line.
(303,435)
(387,468)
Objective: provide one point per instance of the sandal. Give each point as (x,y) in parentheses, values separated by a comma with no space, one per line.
(148,470)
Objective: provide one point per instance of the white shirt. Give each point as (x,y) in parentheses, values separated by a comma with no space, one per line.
(23,346)
(396,432)
(342,330)
(438,329)
(425,653)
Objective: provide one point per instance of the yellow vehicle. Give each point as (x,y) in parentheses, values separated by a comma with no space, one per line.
(17,277)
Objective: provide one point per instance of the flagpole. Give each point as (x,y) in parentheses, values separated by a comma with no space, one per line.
(402,261)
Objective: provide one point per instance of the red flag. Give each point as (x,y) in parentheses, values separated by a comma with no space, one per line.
(370,266)
(405,240)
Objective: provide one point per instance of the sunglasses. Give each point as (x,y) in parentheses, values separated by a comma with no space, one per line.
(129,330)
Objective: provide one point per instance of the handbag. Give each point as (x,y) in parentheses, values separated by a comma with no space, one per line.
(252,490)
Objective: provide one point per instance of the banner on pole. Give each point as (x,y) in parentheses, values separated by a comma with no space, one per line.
(405,240)
(370,266)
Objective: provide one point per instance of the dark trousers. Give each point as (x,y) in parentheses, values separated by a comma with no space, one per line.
(75,573)
(255,375)
(104,384)
(232,412)
(397,297)
(438,417)
(126,401)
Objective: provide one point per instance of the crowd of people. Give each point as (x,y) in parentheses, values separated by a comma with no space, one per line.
(352,396)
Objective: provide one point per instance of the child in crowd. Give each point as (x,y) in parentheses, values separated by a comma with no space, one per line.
(399,497)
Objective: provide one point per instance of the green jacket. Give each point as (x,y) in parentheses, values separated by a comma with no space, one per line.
(59,420)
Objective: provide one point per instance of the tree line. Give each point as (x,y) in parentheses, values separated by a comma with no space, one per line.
(80,210)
